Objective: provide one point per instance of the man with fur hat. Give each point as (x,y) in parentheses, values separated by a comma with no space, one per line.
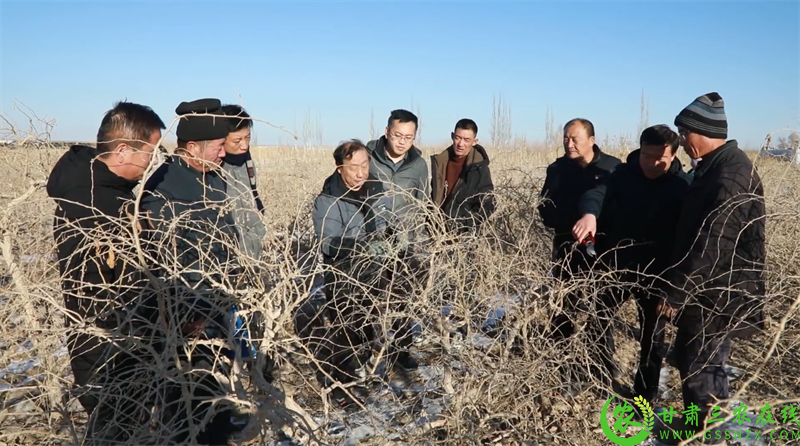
(716,282)
(190,230)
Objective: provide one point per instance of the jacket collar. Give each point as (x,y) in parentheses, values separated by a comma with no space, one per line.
(632,161)
(380,153)
(714,156)
(476,156)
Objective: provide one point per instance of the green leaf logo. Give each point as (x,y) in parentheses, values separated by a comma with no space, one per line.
(647,414)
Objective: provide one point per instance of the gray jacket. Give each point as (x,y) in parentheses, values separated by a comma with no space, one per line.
(344,221)
(251,228)
(411,178)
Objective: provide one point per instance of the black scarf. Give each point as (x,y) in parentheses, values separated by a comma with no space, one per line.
(246,159)
(363,198)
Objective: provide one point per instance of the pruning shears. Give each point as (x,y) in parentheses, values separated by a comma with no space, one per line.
(588,242)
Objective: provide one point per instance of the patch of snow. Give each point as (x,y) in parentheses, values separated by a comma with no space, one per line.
(27,346)
(61,352)
(25,382)
(19,368)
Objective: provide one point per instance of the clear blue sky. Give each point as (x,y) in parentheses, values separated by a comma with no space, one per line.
(69,61)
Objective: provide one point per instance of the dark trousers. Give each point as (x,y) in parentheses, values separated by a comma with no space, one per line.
(652,330)
(115,388)
(110,381)
(701,361)
(338,328)
(180,419)
(575,264)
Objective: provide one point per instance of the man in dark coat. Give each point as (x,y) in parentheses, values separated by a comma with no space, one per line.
(191,230)
(102,291)
(717,282)
(461,183)
(583,170)
(636,234)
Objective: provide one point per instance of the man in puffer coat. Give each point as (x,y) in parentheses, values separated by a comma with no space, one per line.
(352,220)
(109,310)
(636,235)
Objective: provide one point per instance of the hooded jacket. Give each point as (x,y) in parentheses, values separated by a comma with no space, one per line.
(240,178)
(345,220)
(720,247)
(411,179)
(88,226)
(472,200)
(637,225)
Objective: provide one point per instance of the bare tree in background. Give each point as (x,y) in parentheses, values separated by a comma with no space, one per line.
(552,132)
(644,114)
(372,131)
(312,130)
(416,111)
(794,140)
(500,130)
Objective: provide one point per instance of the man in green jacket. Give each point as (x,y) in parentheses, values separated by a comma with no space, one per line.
(399,164)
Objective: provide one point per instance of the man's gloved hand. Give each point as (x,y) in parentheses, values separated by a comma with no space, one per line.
(401,240)
(378,248)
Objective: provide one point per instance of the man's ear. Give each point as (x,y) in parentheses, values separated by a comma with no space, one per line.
(475,142)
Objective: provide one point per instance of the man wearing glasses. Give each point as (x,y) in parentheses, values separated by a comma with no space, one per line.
(399,164)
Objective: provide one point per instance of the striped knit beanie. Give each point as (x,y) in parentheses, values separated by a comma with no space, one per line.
(705,116)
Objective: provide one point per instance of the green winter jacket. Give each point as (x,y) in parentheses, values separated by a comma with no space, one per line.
(411,178)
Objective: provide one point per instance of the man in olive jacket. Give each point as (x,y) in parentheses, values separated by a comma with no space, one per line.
(717,282)
(461,184)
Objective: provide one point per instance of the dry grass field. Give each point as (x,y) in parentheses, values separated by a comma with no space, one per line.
(472,389)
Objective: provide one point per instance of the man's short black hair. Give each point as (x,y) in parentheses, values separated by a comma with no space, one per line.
(127,122)
(346,150)
(659,135)
(241,119)
(587,124)
(402,116)
(467,124)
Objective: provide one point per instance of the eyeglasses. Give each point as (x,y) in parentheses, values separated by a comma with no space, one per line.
(399,137)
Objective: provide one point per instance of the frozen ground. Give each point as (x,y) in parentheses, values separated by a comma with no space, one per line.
(398,407)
